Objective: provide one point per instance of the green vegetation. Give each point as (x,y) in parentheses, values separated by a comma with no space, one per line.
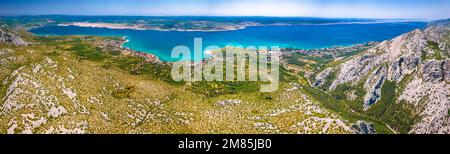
(386,109)
(139,66)
(344,109)
(437,52)
(287,76)
(352,53)
(326,99)
(3,89)
(328,81)
(87,52)
(402,84)
(397,115)
(435,47)
(296,62)
(339,99)
(300,59)
(83,48)
(123,93)
(353,95)
(216,88)
(388,98)
(423,56)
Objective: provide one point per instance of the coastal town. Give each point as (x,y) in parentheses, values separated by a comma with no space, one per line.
(114,45)
(333,52)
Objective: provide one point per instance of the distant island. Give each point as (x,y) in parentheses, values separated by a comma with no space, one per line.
(198,26)
(104,25)
(181,23)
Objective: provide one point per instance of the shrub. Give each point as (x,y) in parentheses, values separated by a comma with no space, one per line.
(123,93)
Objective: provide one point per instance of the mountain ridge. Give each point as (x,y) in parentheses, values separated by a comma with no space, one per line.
(417,63)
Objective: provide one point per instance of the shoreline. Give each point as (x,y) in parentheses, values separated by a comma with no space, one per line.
(316,51)
(240,26)
(120,44)
(125,41)
(128,51)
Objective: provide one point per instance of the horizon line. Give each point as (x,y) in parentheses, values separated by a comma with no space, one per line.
(416,19)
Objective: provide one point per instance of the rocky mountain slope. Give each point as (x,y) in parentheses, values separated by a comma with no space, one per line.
(410,72)
(8,37)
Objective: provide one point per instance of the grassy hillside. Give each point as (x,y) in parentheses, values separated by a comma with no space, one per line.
(72,85)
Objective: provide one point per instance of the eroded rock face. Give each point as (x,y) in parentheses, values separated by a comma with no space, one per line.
(228,102)
(411,62)
(362,127)
(401,56)
(402,66)
(353,70)
(446,70)
(420,55)
(11,38)
(433,71)
(373,84)
(432,100)
(321,77)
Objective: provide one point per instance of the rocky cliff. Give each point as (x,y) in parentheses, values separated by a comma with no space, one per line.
(417,63)
(8,37)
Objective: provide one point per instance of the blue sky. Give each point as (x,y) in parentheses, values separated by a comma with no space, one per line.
(410,9)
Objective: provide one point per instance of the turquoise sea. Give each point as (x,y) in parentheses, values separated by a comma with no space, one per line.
(161,43)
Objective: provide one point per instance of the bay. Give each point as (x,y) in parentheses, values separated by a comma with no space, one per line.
(161,43)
